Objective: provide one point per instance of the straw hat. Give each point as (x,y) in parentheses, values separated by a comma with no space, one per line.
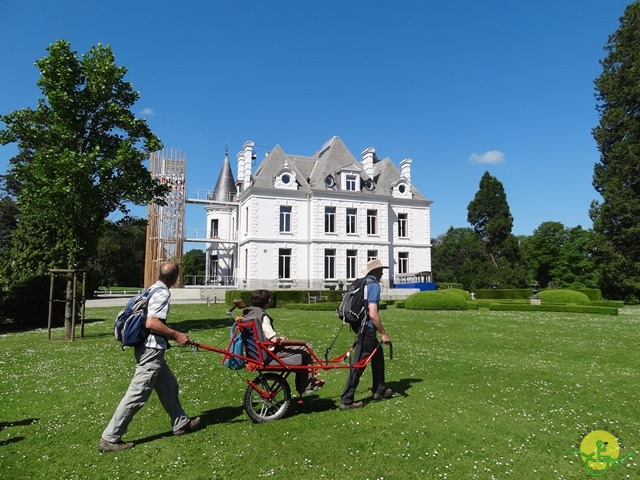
(373,265)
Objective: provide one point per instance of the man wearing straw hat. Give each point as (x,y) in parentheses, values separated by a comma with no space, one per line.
(367,341)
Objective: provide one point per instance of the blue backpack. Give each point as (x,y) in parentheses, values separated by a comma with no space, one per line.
(130,327)
(235,363)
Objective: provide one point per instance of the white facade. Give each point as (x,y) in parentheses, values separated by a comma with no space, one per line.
(314,222)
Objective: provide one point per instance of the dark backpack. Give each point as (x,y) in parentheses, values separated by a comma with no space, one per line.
(354,308)
(130,327)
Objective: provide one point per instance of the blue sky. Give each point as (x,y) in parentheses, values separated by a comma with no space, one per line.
(461,87)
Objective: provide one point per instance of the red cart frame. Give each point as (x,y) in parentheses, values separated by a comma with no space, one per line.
(268,396)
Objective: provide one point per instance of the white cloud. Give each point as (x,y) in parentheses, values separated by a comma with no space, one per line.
(148,112)
(492,156)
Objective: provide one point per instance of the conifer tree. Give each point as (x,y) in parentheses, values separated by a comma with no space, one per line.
(616,217)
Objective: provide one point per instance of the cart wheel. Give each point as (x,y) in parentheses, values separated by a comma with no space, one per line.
(261,409)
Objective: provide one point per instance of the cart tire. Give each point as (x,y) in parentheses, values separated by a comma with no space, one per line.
(261,409)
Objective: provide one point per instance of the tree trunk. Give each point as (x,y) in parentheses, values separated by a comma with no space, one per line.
(68,310)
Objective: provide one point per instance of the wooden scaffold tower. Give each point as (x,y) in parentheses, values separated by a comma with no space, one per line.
(165,227)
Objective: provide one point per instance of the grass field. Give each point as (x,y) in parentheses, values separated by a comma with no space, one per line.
(480,395)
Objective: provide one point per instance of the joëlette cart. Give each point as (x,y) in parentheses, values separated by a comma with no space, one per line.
(268,396)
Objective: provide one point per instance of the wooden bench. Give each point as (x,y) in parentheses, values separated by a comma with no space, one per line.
(315,297)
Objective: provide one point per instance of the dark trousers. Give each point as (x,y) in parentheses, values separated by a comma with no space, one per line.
(366,342)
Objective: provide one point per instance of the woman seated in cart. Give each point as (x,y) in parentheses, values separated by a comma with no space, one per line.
(291,352)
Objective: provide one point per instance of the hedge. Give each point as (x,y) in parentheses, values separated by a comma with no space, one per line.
(518,307)
(323,306)
(525,293)
(280,298)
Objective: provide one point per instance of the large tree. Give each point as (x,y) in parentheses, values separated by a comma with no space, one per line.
(616,218)
(193,266)
(490,216)
(541,251)
(121,254)
(560,257)
(81,157)
(458,257)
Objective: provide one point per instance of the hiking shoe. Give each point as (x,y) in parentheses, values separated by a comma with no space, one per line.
(386,393)
(189,427)
(105,446)
(314,384)
(349,406)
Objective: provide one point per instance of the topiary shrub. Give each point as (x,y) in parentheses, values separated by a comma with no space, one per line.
(564,297)
(458,291)
(436,300)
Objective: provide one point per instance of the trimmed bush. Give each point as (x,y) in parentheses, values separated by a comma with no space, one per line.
(458,291)
(323,306)
(436,300)
(280,298)
(503,294)
(315,307)
(564,297)
(608,303)
(592,293)
(519,307)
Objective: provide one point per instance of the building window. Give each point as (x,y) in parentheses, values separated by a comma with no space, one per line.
(403,262)
(403,225)
(352,257)
(285,218)
(372,222)
(329,263)
(329,181)
(372,255)
(351,220)
(329,219)
(284,263)
(214,233)
(246,220)
(351,182)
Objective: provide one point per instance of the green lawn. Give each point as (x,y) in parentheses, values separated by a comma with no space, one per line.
(479,395)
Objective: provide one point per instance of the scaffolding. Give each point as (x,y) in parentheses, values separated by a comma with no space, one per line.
(165,227)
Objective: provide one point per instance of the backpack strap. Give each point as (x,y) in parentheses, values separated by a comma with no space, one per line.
(367,282)
(148,293)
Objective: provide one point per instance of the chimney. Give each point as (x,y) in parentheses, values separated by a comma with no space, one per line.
(367,160)
(406,169)
(248,160)
(240,175)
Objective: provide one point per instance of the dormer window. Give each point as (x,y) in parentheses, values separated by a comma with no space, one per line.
(351,182)
(329,181)
(285,179)
(368,184)
(401,189)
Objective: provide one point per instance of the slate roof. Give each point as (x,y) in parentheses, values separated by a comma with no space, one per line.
(225,187)
(331,159)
